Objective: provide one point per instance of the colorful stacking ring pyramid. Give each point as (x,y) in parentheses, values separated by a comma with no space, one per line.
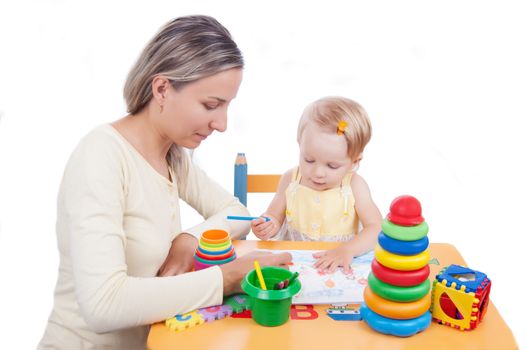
(215,248)
(397,297)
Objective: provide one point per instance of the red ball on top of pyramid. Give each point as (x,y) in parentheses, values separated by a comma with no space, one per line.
(405,211)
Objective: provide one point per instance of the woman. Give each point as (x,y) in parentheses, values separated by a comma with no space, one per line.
(123,257)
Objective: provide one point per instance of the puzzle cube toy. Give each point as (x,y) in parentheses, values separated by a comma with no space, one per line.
(460,297)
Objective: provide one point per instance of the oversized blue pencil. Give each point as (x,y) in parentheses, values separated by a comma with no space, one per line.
(245,218)
(240,178)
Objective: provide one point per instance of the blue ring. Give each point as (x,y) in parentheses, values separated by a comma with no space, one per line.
(396,246)
(210,252)
(399,328)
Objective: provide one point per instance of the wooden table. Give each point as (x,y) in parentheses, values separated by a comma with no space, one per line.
(326,334)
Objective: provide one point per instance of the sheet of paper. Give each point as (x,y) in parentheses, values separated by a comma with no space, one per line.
(324,288)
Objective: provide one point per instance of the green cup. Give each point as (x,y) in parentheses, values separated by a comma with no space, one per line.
(270,307)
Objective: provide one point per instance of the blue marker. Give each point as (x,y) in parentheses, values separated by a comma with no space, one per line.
(246,218)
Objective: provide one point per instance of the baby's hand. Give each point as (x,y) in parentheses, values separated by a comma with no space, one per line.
(330,260)
(264,229)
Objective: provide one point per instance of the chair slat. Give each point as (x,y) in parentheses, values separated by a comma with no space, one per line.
(262,183)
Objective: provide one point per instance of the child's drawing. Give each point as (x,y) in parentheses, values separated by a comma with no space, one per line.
(324,288)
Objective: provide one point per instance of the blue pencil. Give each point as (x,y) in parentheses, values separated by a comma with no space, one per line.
(246,218)
(240,178)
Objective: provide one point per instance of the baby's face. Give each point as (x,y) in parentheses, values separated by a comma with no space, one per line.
(324,160)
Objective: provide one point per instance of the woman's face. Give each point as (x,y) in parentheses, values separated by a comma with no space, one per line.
(191,113)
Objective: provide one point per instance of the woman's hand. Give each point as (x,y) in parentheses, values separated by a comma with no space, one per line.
(330,260)
(236,270)
(265,230)
(180,258)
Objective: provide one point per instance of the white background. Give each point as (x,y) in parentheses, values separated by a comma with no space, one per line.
(444,84)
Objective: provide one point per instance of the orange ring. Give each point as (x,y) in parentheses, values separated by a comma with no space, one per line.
(393,309)
(215,236)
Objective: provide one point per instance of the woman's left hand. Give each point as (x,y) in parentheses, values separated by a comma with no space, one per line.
(330,260)
(180,258)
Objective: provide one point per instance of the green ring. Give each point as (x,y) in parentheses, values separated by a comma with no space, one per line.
(395,293)
(405,233)
(214,245)
(215,262)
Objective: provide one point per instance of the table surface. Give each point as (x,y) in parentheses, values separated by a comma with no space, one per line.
(243,333)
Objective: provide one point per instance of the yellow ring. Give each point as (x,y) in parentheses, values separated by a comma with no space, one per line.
(393,309)
(215,248)
(401,262)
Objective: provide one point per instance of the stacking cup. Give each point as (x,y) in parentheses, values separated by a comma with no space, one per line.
(215,248)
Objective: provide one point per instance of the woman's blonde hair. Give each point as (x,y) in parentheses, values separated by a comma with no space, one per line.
(328,112)
(184,50)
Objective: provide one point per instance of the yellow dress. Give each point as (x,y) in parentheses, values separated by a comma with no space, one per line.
(319,215)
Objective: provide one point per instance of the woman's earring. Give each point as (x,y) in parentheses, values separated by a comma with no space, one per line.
(161,107)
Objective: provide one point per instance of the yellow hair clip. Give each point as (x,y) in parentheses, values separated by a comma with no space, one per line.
(341,127)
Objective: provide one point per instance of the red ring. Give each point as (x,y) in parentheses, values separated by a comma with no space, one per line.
(399,278)
(215,257)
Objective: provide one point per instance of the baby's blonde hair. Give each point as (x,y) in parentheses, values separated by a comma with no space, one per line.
(327,113)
